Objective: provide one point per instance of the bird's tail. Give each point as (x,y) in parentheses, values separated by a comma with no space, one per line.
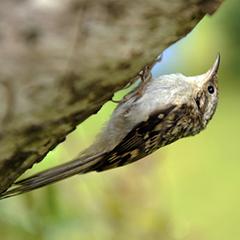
(77,166)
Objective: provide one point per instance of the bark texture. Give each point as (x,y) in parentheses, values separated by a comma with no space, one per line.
(60,61)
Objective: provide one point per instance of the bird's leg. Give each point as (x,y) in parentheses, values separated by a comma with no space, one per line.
(145,76)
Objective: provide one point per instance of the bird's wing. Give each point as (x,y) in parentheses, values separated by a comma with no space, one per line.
(146,137)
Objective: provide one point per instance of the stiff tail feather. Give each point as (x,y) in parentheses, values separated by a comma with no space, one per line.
(55,174)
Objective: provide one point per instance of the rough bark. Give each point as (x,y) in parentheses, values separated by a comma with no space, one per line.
(60,61)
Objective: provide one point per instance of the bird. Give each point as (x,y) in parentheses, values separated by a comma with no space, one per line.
(171,107)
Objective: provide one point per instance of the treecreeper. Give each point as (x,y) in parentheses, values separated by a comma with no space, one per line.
(157,113)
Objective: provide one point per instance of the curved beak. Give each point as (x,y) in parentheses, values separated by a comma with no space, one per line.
(213,71)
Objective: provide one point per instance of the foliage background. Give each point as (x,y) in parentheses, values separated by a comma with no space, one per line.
(188,190)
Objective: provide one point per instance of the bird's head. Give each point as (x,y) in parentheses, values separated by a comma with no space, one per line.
(207,94)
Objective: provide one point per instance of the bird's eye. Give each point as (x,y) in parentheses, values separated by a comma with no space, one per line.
(211,89)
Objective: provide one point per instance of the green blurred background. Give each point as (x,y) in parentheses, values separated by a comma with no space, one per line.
(189,190)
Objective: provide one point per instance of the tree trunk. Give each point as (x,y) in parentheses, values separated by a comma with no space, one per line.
(62,60)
